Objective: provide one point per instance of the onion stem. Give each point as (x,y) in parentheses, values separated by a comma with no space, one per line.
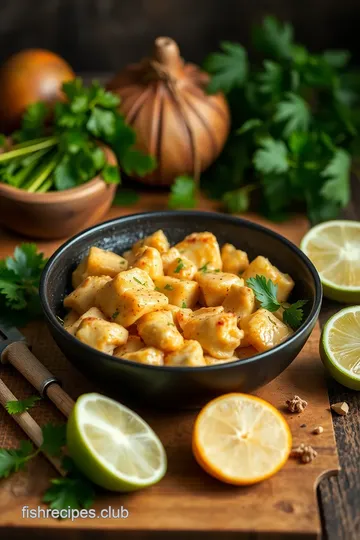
(43,173)
(23,151)
(46,186)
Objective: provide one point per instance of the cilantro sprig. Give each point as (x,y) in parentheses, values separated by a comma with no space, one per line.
(21,405)
(19,284)
(265,292)
(296,126)
(182,193)
(74,490)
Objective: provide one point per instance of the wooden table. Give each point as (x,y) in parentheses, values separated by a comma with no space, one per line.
(339,496)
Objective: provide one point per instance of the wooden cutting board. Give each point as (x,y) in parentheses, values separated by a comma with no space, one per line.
(186,501)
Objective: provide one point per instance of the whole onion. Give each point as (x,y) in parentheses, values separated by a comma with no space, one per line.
(29,76)
(165,101)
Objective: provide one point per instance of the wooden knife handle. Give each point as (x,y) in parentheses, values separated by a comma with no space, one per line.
(19,356)
(28,424)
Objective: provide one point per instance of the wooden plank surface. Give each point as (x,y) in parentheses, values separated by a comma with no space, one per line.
(339,496)
(187,499)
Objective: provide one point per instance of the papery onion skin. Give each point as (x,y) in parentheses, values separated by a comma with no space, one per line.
(165,101)
(27,77)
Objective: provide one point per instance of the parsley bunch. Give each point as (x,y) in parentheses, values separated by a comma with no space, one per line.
(66,153)
(19,285)
(296,121)
(74,490)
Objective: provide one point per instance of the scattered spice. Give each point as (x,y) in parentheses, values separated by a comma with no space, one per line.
(296,404)
(341,408)
(304,453)
(318,430)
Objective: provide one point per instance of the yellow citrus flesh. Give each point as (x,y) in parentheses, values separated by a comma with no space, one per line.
(340,347)
(334,248)
(241,439)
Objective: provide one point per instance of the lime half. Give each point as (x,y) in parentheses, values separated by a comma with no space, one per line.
(113,446)
(340,347)
(334,248)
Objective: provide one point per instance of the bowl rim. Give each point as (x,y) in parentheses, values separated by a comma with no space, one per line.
(85,190)
(53,320)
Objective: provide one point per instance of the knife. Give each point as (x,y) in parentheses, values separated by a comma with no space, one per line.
(14,350)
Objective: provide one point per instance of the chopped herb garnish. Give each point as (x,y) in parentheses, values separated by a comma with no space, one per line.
(180,266)
(183,305)
(169,287)
(266,294)
(140,282)
(115,314)
(157,289)
(204,268)
(170,324)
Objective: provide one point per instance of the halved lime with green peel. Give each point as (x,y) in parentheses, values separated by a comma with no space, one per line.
(340,347)
(334,248)
(113,446)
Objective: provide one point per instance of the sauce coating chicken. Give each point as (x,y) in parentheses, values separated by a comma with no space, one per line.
(188,305)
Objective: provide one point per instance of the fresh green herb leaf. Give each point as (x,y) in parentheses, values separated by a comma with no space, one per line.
(33,122)
(21,405)
(183,304)
(265,292)
(168,287)
(74,491)
(294,314)
(182,193)
(110,174)
(136,163)
(337,174)
(125,197)
(54,438)
(271,80)
(101,123)
(337,58)
(20,277)
(249,125)
(140,282)
(238,201)
(294,112)
(271,157)
(13,460)
(98,158)
(228,69)
(115,314)
(179,266)
(64,175)
(274,38)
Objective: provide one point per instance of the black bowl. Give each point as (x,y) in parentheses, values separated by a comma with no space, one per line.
(179,386)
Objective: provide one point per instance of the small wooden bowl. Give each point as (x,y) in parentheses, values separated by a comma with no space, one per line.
(56,214)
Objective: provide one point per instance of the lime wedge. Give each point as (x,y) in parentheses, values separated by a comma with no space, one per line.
(334,248)
(340,347)
(113,446)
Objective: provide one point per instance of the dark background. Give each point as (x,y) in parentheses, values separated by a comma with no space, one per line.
(104,35)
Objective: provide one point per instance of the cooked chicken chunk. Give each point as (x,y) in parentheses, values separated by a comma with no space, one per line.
(102,335)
